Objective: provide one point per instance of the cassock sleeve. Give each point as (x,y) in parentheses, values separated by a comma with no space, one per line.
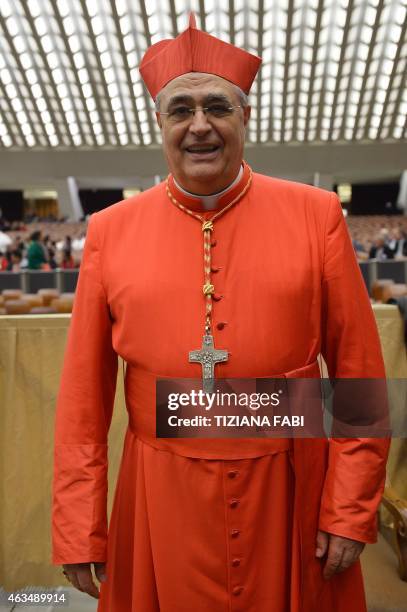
(351,348)
(83,416)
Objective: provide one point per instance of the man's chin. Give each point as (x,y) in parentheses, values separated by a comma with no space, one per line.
(203,170)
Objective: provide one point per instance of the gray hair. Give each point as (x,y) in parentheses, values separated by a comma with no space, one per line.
(243,98)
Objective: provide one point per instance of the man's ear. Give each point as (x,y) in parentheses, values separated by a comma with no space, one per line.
(246,114)
(158,117)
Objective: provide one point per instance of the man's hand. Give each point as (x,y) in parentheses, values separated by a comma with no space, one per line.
(341,552)
(80,576)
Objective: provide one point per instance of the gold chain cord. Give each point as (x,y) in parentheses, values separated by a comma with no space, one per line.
(207,229)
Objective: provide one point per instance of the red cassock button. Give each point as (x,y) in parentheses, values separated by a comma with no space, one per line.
(237,590)
(234,503)
(232,473)
(213,243)
(235,533)
(236,562)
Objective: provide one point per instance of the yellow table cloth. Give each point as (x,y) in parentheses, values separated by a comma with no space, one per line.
(31,354)
(391,329)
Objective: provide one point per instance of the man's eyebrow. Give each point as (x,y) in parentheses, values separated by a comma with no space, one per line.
(216,98)
(186,99)
(180,98)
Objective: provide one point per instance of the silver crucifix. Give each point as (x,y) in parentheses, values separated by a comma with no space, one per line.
(208,356)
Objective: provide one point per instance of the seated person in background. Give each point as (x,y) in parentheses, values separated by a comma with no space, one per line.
(359,248)
(398,243)
(51,258)
(380,249)
(67,246)
(14,265)
(36,253)
(3,262)
(67,260)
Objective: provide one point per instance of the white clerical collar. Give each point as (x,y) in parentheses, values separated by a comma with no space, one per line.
(209,201)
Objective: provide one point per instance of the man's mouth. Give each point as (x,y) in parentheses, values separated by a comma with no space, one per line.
(204,150)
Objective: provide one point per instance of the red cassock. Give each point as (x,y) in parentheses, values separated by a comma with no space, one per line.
(215,525)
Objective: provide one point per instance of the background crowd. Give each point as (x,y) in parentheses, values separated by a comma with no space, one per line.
(41,246)
(48,245)
(378,237)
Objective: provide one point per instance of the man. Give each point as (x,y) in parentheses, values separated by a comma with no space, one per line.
(380,250)
(253,525)
(15,263)
(36,252)
(398,243)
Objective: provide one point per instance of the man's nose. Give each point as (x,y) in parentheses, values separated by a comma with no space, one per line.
(199,123)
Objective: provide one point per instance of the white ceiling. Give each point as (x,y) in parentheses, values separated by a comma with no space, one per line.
(334,71)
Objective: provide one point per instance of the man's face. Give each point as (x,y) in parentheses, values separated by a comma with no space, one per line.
(203,152)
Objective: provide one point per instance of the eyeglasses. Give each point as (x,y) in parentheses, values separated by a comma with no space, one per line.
(181,114)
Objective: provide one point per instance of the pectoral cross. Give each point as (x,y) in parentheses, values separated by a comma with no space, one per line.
(208,356)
